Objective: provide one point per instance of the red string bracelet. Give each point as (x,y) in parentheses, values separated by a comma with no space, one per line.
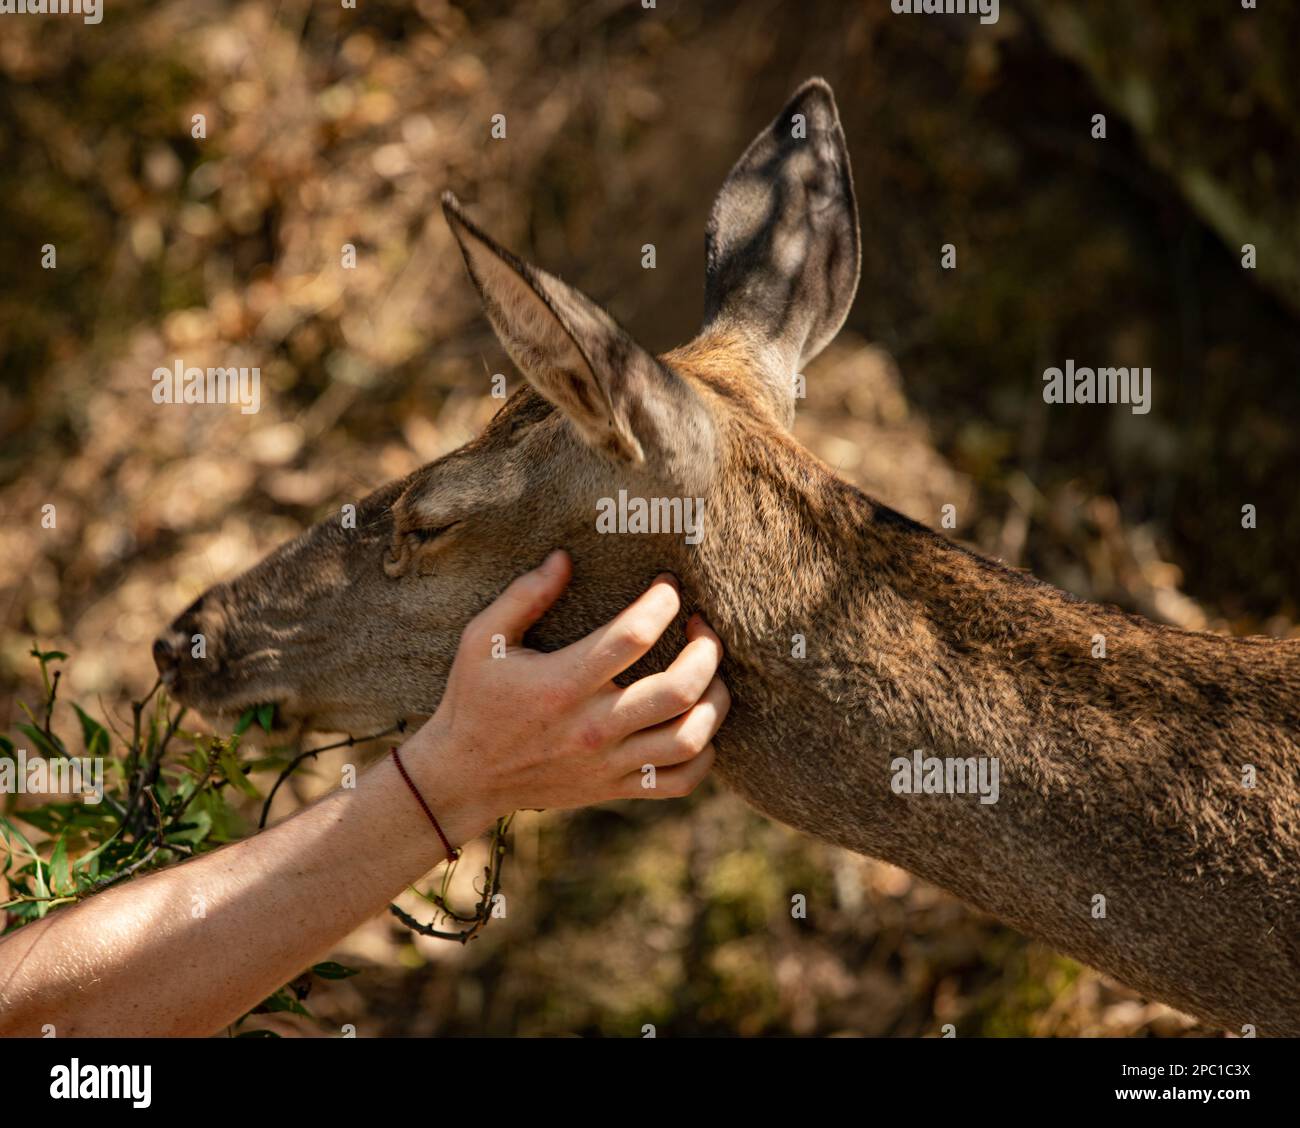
(452,854)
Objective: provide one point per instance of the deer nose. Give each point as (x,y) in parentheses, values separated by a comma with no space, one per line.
(167,657)
(181,650)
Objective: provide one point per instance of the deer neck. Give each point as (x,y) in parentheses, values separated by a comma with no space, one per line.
(1123,831)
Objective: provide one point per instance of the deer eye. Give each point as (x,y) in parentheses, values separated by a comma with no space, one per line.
(427,535)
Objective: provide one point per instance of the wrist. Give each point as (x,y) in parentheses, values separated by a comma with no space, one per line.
(460,803)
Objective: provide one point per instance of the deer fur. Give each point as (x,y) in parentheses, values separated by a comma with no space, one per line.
(1120,776)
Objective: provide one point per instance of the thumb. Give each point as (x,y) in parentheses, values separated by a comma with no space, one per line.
(527,599)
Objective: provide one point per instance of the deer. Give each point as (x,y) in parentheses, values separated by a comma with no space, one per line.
(1159,781)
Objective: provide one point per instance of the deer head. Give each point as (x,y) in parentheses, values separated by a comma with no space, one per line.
(346,628)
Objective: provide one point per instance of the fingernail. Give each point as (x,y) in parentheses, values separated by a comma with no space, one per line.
(552,562)
(668,578)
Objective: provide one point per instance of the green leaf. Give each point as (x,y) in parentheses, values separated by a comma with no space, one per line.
(50,818)
(196,759)
(8,830)
(194,830)
(93,733)
(41,741)
(331,970)
(60,871)
(230,768)
(280,1002)
(89,862)
(97,820)
(54,818)
(48,655)
(42,886)
(35,866)
(266,717)
(245,722)
(7,748)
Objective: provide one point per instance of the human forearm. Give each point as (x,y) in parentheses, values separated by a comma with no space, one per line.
(187,950)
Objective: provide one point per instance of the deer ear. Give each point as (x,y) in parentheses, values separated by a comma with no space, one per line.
(783,251)
(621,400)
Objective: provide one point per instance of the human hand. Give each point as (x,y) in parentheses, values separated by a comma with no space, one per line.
(552,730)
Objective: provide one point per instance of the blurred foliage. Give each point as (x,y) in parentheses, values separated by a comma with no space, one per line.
(327,126)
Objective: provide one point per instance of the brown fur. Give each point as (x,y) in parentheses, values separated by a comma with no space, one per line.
(1120,775)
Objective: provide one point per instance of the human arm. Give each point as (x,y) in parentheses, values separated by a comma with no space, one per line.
(188,949)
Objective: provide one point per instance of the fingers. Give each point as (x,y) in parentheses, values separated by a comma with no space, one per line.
(628,637)
(681,739)
(525,601)
(669,783)
(661,697)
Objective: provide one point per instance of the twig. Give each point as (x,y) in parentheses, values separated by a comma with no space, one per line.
(49,709)
(137,709)
(292,766)
(143,784)
(482,911)
(103,883)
